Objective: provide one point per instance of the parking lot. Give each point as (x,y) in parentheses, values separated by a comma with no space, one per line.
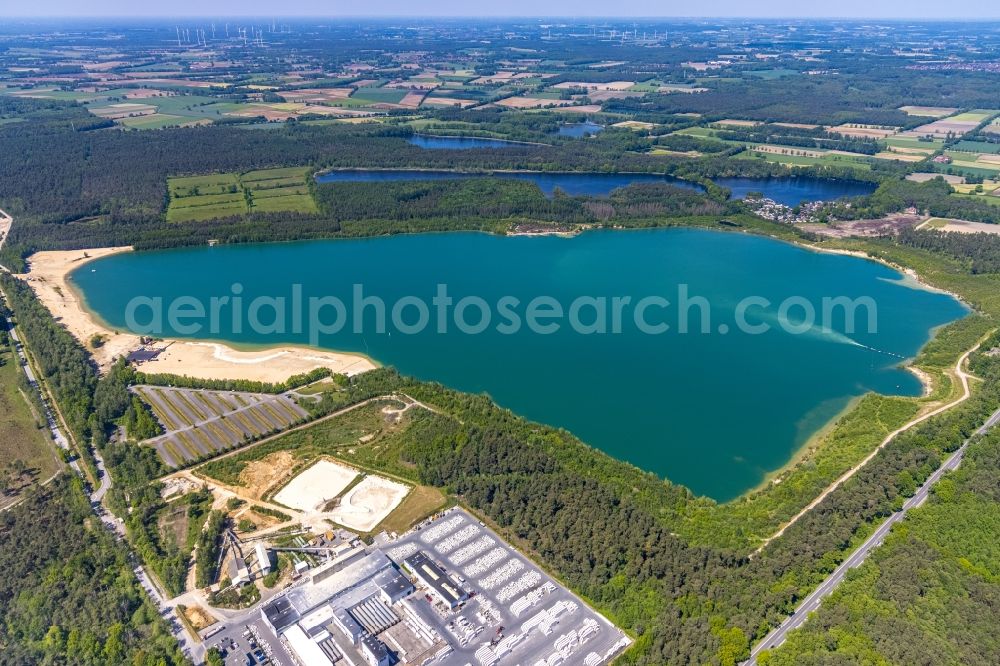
(517,614)
(198,422)
(248,642)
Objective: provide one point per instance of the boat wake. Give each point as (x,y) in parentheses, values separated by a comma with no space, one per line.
(830,335)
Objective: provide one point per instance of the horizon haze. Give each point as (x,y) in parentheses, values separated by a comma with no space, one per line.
(638,9)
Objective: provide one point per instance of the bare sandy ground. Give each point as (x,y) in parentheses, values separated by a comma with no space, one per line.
(5,222)
(367,504)
(316,486)
(962,226)
(47,275)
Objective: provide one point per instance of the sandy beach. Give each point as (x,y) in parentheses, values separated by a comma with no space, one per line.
(5,223)
(47,275)
(910,277)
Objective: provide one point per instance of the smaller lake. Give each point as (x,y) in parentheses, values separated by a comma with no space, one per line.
(793,191)
(458,142)
(574,184)
(578,130)
(788,191)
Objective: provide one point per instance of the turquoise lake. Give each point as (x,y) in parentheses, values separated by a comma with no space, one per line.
(713,411)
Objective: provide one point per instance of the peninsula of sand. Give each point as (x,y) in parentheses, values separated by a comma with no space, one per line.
(48,274)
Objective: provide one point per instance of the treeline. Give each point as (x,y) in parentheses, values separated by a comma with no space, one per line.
(800,137)
(686,142)
(208,549)
(68,594)
(245,385)
(477,204)
(652,201)
(979,251)
(93,408)
(870,93)
(494,122)
(478,197)
(62,362)
(139,421)
(158,548)
(932,197)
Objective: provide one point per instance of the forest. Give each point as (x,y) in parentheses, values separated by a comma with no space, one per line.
(932,197)
(868,94)
(980,251)
(68,594)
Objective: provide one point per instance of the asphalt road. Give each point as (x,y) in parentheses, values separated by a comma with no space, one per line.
(812,602)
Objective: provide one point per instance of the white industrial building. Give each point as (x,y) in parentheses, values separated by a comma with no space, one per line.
(342,609)
(263,558)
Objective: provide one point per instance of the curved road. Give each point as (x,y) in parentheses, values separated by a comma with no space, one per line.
(812,602)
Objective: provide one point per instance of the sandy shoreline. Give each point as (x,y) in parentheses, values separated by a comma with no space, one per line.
(5,223)
(48,276)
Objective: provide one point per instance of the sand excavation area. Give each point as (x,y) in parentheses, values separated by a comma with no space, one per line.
(367,504)
(313,488)
(361,508)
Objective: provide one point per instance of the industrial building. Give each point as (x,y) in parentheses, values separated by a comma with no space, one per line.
(374,651)
(340,611)
(263,558)
(442,587)
(239,573)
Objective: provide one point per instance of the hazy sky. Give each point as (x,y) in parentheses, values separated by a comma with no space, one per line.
(903,9)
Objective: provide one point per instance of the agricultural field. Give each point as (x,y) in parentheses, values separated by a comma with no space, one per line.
(793,155)
(960,226)
(201,423)
(536,101)
(952,126)
(899,156)
(976,147)
(924,176)
(151,108)
(229,194)
(987,187)
(913,144)
(160,121)
(972,163)
(864,131)
(928,111)
(27,453)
